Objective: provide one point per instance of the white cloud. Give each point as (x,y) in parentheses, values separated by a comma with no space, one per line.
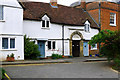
(63,2)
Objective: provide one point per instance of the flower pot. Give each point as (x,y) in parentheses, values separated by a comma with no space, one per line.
(11,59)
(63,56)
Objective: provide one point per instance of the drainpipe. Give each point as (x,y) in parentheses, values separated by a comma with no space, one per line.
(63,39)
(99,20)
(100,15)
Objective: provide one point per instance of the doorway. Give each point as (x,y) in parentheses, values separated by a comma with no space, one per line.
(76,48)
(41,45)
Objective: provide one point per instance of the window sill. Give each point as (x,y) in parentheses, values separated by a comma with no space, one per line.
(45,28)
(112,24)
(94,49)
(87,31)
(52,50)
(8,49)
(2,20)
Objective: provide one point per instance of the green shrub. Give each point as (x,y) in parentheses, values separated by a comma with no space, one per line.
(12,55)
(117,62)
(2,71)
(110,44)
(60,56)
(30,49)
(56,56)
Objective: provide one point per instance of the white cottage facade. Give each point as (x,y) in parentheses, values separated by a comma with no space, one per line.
(11,29)
(53,35)
(63,30)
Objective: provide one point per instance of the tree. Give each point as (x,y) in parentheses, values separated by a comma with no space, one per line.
(30,49)
(110,44)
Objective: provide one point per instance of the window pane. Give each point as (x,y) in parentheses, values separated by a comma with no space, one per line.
(112,18)
(43,23)
(88,28)
(49,44)
(1,12)
(85,28)
(4,43)
(12,43)
(47,24)
(53,45)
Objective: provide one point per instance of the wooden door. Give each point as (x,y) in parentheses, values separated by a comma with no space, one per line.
(85,49)
(76,48)
(41,45)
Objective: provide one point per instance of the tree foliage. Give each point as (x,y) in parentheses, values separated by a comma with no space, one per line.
(110,41)
(30,49)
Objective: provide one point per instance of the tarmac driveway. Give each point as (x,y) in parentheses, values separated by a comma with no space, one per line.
(62,70)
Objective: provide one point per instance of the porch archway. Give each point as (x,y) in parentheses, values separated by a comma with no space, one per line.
(81,42)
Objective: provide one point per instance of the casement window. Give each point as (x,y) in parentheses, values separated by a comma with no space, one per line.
(1,12)
(8,43)
(4,43)
(94,48)
(112,19)
(12,43)
(45,24)
(87,28)
(51,45)
(54,45)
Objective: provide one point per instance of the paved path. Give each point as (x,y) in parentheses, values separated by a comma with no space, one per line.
(77,69)
(65,60)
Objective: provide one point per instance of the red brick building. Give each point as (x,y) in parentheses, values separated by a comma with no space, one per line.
(106,14)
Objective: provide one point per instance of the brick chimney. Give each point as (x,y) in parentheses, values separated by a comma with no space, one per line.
(53,3)
(83,4)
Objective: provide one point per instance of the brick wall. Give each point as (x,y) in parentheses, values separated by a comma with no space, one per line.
(105,20)
(106,8)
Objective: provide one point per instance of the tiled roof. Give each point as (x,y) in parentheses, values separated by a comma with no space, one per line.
(61,15)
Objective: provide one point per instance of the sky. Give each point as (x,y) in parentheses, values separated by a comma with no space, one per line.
(63,2)
(68,2)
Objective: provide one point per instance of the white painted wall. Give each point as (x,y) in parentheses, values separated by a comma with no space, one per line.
(13,3)
(13,20)
(34,30)
(12,26)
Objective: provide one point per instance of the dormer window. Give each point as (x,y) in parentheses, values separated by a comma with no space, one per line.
(87,28)
(112,19)
(1,12)
(45,21)
(45,24)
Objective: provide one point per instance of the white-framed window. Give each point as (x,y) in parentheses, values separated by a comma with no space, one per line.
(4,43)
(87,28)
(94,48)
(45,24)
(51,45)
(12,43)
(113,19)
(1,12)
(8,43)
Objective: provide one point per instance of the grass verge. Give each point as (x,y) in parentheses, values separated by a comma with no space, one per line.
(2,71)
